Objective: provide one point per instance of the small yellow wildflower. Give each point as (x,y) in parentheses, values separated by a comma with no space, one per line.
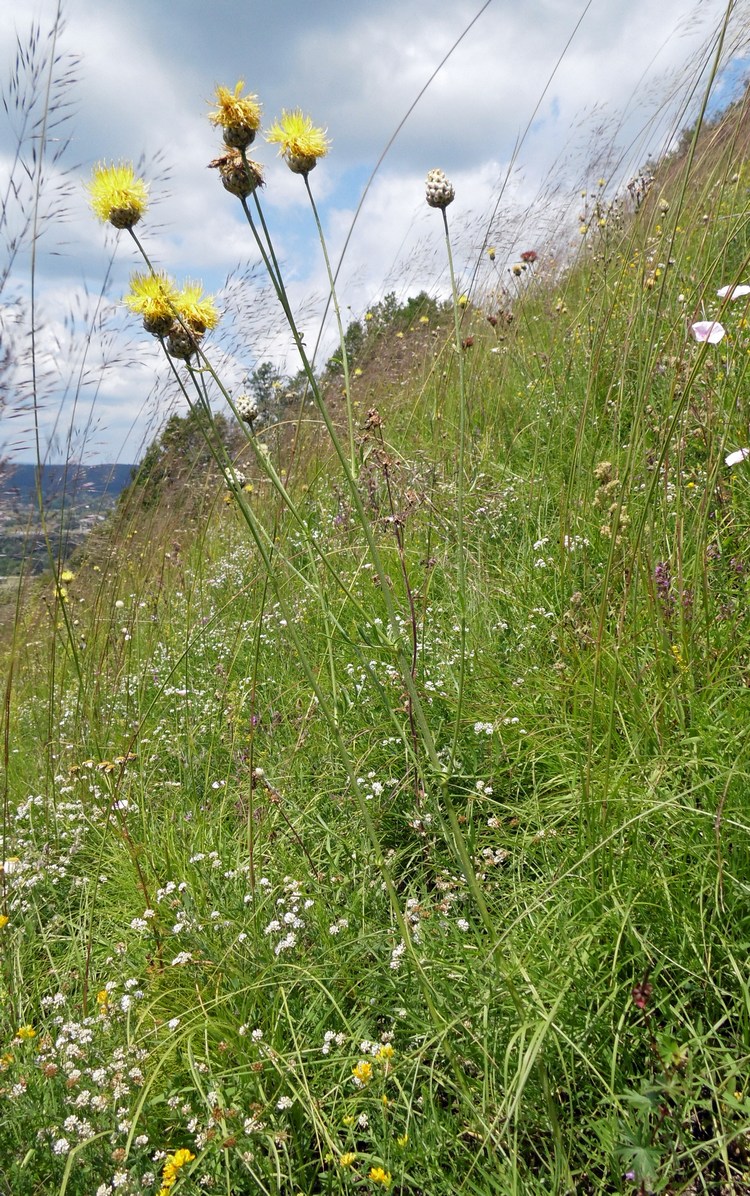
(117,196)
(402,1140)
(153,296)
(424,319)
(67,575)
(385,1052)
(379,1175)
(238,116)
(368,316)
(5,1061)
(463,300)
(491,253)
(362,1072)
(348,1119)
(358,373)
(300,142)
(4,920)
(25,1032)
(347,1158)
(173,1165)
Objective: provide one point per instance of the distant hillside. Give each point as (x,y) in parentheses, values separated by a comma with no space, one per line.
(63,482)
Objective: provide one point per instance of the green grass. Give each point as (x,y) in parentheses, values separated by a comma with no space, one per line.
(278,899)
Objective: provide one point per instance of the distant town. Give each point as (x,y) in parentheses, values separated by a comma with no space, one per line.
(75,498)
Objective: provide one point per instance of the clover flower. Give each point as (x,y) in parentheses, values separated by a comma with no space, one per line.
(239,174)
(117,196)
(154,297)
(246,408)
(440,191)
(237,115)
(708,330)
(300,142)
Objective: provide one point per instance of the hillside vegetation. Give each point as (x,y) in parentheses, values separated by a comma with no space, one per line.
(377,819)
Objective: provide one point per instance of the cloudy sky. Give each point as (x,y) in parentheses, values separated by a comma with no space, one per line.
(521,102)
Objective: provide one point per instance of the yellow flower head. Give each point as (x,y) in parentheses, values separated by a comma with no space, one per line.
(362,1072)
(196,309)
(173,1165)
(380,1176)
(4,920)
(238,116)
(385,1052)
(67,575)
(347,1158)
(300,143)
(117,195)
(153,296)
(25,1032)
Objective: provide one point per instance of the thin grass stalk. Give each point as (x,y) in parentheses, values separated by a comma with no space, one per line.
(340,326)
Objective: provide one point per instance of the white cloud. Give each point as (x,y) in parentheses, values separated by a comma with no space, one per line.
(147,71)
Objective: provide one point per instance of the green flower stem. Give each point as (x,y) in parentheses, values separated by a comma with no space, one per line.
(337,310)
(404,664)
(461,548)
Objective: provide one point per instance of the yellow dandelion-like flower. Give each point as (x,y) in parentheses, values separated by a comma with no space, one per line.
(154,297)
(362,1072)
(379,1175)
(25,1032)
(238,116)
(117,196)
(300,142)
(196,309)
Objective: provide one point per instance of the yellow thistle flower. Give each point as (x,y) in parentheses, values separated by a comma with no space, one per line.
(198,311)
(379,1175)
(153,296)
(300,142)
(117,196)
(238,116)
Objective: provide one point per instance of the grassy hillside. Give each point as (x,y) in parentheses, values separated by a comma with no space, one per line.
(382,824)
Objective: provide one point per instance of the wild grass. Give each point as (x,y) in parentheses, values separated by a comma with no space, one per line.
(385,827)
